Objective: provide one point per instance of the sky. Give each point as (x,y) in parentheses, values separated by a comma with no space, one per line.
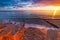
(40,2)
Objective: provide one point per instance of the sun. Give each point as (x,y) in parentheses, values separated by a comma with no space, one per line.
(55,11)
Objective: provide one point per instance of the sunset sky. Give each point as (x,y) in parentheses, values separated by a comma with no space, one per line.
(41,2)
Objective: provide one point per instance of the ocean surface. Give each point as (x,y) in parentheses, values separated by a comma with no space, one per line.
(26,16)
(19,14)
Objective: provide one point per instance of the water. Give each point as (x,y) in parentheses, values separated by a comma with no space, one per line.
(14,15)
(21,21)
(27,16)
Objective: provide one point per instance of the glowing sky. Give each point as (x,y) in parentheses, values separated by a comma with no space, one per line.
(41,2)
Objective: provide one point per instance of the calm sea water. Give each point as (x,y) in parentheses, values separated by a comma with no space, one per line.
(15,15)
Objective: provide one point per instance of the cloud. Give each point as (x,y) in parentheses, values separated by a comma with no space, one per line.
(41,2)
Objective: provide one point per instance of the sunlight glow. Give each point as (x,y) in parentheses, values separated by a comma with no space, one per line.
(55,11)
